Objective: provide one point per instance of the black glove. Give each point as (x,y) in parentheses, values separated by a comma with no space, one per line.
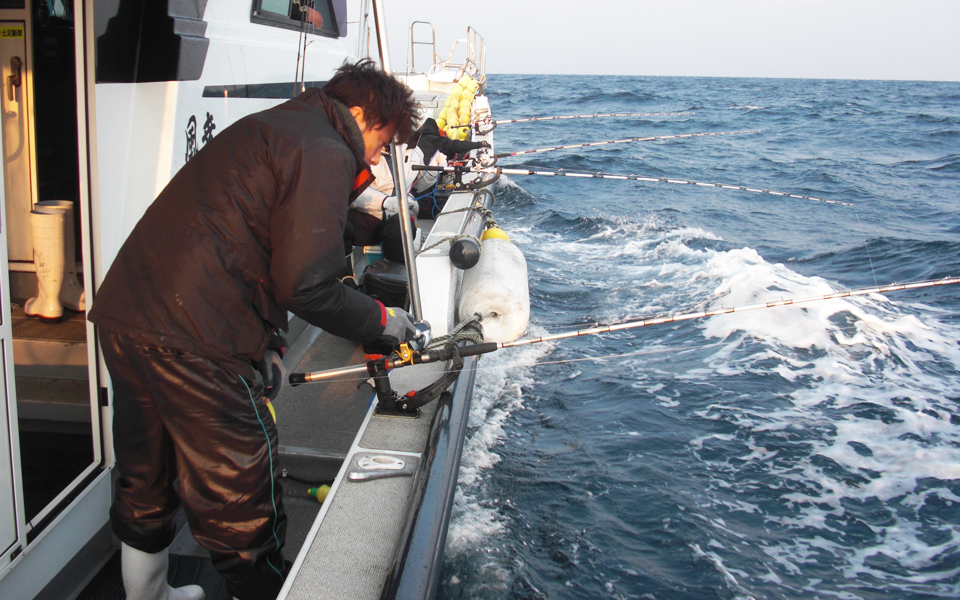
(271,365)
(273,373)
(398,328)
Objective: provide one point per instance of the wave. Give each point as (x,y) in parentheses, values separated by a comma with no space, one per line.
(950,167)
(803,451)
(888,260)
(859,389)
(848,393)
(930,119)
(933,163)
(627,98)
(477,519)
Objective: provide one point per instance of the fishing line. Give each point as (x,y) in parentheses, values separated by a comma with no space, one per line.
(636,139)
(609,356)
(864,237)
(485,367)
(653,114)
(600,175)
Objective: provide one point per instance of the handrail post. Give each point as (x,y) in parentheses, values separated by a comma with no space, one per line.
(399,179)
(414,42)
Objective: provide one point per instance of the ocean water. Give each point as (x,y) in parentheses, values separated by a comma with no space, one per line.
(793,452)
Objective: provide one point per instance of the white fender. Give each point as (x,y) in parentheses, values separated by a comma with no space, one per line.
(496,287)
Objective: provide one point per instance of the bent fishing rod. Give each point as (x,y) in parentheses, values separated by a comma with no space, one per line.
(651,114)
(636,139)
(407,357)
(459,170)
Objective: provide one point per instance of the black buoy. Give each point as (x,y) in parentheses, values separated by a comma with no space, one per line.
(465,253)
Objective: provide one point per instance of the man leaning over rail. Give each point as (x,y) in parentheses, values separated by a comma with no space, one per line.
(249,228)
(374,215)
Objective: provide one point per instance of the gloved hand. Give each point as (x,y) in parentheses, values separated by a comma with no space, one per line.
(398,326)
(273,373)
(271,365)
(464,146)
(392,204)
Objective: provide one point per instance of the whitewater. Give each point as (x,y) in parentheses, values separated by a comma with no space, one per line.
(791,452)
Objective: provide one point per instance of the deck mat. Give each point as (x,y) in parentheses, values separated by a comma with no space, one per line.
(73,328)
(397,434)
(184,570)
(354,549)
(326,415)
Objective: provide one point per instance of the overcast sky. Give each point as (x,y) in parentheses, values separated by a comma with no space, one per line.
(837,39)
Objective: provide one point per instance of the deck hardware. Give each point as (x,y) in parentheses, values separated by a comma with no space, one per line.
(388,402)
(371,475)
(380,463)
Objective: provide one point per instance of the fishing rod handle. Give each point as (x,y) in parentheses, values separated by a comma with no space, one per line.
(296,379)
(392,362)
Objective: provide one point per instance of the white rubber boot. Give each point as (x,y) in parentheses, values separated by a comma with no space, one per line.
(47,227)
(71,294)
(145,577)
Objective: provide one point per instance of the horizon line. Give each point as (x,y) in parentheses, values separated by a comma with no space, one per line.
(737,77)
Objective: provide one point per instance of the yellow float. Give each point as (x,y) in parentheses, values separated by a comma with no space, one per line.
(494,233)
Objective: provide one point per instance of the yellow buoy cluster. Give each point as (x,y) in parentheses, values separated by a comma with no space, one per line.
(457,110)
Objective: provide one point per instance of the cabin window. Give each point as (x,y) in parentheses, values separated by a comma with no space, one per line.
(297,14)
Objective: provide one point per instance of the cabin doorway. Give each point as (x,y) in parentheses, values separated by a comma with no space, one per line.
(56,435)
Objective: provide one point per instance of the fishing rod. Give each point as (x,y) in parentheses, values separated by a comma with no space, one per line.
(636,139)
(459,170)
(379,366)
(652,114)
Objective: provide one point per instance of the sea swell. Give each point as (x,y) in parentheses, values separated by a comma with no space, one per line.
(802,451)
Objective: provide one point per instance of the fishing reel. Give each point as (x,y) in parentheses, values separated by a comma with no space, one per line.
(379,366)
(485,125)
(460,167)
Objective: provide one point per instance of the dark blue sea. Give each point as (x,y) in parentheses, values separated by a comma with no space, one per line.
(793,452)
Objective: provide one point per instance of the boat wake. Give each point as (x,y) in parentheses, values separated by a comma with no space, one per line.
(501,379)
(851,459)
(819,448)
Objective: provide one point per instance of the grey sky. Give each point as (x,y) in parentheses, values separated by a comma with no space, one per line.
(845,39)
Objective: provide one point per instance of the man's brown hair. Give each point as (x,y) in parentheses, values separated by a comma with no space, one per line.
(385,100)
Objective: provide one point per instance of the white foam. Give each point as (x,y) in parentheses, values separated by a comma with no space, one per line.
(881,356)
(501,379)
(867,382)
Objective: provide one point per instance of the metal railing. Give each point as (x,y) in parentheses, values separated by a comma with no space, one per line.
(475,54)
(434,58)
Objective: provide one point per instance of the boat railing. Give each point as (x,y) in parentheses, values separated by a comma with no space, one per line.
(479,50)
(434,57)
(474,61)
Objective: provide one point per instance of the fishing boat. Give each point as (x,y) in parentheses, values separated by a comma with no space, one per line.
(102,104)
